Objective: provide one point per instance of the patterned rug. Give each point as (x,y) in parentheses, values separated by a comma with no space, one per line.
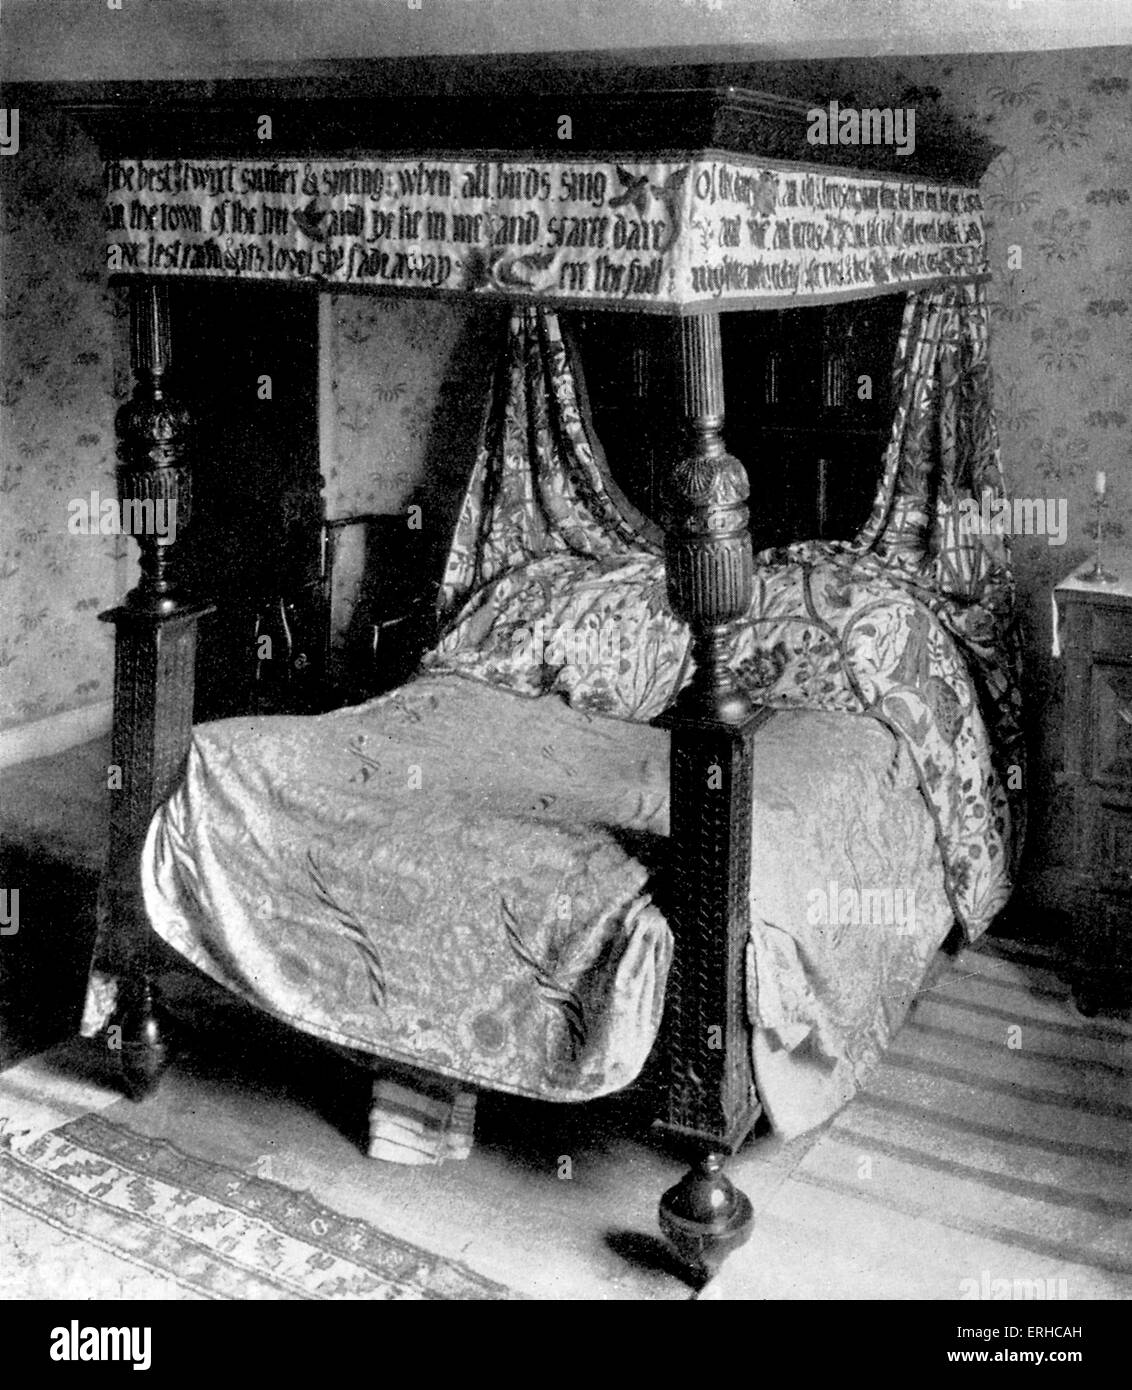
(1000,1113)
(94,1210)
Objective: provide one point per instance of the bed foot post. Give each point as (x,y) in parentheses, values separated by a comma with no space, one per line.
(705,1217)
(709,1102)
(145,1050)
(154,671)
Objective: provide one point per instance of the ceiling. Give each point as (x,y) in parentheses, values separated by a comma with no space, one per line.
(87,40)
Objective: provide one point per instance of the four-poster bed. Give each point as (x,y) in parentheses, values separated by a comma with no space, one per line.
(686,204)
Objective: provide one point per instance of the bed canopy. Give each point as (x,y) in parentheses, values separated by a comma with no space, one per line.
(678,235)
(684,203)
(675,202)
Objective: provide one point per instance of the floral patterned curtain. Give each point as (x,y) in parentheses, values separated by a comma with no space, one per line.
(544,534)
(540,486)
(943,455)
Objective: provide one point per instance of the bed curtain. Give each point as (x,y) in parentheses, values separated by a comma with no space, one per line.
(912,621)
(942,466)
(541,486)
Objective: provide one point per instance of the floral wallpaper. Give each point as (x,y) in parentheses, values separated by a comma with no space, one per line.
(1059,214)
(57,398)
(1061,193)
(387,360)
(395,365)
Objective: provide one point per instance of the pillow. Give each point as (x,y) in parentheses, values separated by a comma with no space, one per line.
(599,633)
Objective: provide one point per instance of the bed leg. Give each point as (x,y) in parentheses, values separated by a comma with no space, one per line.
(139,1032)
(705,1217)
(145,1049)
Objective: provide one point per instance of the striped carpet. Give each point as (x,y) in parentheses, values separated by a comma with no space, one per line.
(1001,1114)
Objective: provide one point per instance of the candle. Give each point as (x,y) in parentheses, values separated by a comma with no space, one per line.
(1101,484)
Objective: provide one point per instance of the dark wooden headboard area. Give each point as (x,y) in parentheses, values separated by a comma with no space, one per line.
(808,414)
(809,408)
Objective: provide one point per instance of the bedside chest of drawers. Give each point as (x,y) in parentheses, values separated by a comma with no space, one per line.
(1096,641)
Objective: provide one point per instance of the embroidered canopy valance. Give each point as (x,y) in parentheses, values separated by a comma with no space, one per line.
(673,236)
(677,203)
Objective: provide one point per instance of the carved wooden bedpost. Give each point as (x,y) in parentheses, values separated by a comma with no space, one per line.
(711,1102)
(154,661)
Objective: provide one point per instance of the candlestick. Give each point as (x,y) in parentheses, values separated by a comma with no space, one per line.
(1098,574)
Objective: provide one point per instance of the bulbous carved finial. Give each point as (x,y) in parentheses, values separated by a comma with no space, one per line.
(707,482)
(708,553)
(708,544)
(154,476)
(704,1217)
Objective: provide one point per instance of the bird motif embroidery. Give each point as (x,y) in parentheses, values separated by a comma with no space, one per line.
(669,193)
(308,221)
(493,267)
(637,192)
(525,272)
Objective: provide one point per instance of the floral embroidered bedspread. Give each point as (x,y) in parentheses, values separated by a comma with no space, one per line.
(389,878)
(821,634)
(473,882)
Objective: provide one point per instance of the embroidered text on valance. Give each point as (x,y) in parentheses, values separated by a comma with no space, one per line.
(675,236)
